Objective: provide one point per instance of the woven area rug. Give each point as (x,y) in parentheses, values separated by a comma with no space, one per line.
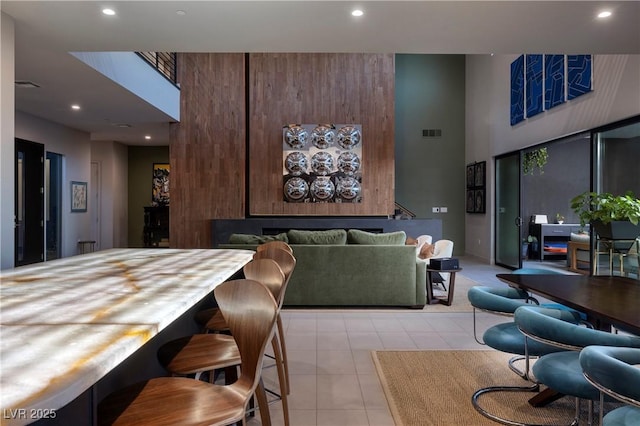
(435,388)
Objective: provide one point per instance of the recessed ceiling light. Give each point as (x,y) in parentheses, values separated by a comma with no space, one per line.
(108,11)
(147,137)
(604,14)
(75,107)
(181,12)
(357,12)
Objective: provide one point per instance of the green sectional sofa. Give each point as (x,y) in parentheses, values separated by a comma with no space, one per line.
(366,270)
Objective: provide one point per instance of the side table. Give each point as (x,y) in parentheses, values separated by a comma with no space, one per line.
(431,299)
(572,249)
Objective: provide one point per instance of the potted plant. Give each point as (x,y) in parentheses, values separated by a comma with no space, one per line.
(613,217)
(525,248)
(529,247)
(559,218)
(532,159)
(533,246)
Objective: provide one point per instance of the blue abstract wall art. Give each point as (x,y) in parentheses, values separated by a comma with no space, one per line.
(553,81)
(541,82)
(533,85)
(517,90)
(579,75)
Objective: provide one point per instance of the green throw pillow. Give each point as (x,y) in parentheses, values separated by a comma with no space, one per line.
(356,236)
(256,239)
(329,237)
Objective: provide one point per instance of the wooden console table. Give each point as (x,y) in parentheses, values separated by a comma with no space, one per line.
(553,233)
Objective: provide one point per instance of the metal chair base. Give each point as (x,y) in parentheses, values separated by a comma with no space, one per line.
(532,388)
(495,418)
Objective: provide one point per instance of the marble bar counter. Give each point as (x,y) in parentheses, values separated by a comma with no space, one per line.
(67,323)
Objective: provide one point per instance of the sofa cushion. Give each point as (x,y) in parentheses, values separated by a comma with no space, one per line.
(582,237)
(331,236)
(256,239)
(356,236)
(427,251)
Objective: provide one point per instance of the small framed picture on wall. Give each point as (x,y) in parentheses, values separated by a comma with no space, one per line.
(78,197)
(471,201)
(479,201)
(479,174)
(471,180)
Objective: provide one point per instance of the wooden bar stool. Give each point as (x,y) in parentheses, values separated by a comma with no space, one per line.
(287,263)
(277,244)
(198,354)
(250,311)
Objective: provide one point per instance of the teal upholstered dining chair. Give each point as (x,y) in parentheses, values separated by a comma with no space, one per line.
(561,371)
(614,371)
(540,271)
(506,337)
(496,300)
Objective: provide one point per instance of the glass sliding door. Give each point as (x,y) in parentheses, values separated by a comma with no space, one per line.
(508,220)
(53,204)
(617,157)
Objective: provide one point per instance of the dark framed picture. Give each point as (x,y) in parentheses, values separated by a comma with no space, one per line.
(160,186)
(471,201)
(471,180)
(479,201)
(479,174)
(78,196)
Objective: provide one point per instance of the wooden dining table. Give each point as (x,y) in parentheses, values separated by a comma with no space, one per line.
(606,300)
(67,323)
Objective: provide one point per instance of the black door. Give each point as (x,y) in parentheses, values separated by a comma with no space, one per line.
(29,209)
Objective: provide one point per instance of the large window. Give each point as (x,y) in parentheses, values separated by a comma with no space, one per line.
(617,158)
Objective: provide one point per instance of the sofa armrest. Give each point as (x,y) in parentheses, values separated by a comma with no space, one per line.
(421,282)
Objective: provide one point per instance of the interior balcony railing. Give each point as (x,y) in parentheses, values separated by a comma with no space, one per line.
(164,62)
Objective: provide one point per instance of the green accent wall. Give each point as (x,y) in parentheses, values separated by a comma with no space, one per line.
(430,171)
(141,159)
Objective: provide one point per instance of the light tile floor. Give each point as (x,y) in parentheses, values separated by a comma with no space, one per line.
(333,379)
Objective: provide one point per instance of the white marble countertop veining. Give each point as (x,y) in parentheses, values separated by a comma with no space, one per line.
(66,323)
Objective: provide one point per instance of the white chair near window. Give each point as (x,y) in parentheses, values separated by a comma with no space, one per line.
(422,239)
(441,249)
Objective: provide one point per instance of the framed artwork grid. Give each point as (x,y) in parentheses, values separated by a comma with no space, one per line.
(476,174)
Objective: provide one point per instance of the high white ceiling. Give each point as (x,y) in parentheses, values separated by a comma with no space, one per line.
(47,30)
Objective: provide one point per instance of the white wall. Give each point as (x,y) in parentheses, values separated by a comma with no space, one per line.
(7,142)
(616,96)
(113,160)
(134,73)
(75,148)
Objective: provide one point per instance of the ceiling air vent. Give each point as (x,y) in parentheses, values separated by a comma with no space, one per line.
(431,133)
(25,84)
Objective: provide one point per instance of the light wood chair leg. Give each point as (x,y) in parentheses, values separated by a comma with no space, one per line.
(263,405)
(283,347)
(281,378)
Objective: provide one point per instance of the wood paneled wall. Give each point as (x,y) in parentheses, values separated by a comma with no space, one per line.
(321,88)
(208,147)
